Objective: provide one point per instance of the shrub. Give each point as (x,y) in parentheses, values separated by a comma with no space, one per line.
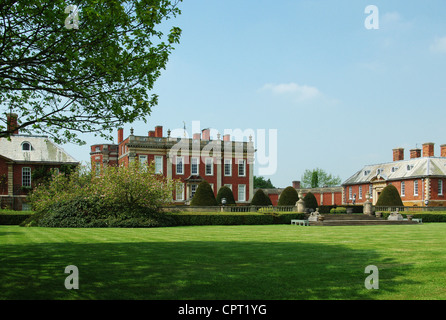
(288,197)
(261,199)
(338,210)
(310,201)
(82,199)
(204,196)
(389,197)
(225,192)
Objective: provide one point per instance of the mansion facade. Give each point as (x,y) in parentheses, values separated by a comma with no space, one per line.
(221,162)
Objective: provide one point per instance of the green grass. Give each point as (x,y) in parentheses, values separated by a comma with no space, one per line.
(275,262)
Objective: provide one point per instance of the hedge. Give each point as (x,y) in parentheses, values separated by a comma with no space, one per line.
(235,219)
(13,219)
(426,217)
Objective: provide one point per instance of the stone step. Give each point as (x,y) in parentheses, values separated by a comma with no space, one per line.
(336,216)
(360,222)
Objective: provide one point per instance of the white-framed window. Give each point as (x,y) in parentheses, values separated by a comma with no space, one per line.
(209,170)
(366,172)
(350,193)
(212,186)
(194,169)
(360,192)
(241,192)
(229,186)
(371,191)
(379,171)
(159,164)
(26,177)
(179,194)
(403,188)
(440,187)
(180,165)
(193,188)
(415,188)
(142,159)
(241,167)
(228,167)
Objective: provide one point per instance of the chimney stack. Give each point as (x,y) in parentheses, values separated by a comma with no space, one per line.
(12,124)
(398,154)
(120,135)
(428,149)
(296,184)
(151,133)
(197,136)
(415,153)
(159,131)
(227,137)
(443,150)
(206,134)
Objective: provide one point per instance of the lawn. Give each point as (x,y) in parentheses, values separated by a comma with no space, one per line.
(274,262)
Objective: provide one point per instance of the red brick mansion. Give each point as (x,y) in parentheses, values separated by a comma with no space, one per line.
(219,162)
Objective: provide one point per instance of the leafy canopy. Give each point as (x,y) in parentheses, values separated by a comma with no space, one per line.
(319,178)
(64,81)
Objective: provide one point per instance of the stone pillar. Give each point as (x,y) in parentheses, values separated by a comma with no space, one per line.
(367,205)
(300,204)
(219,174)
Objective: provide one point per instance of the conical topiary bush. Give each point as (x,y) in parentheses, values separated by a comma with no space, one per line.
(225,192)
(310,201)
(389,197)
(204,196)
(260,199)
(288,197)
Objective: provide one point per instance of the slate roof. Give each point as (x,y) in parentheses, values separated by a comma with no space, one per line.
(42,150)
(400,170)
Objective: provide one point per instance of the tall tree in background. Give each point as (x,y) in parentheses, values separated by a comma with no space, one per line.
(261,183)
(319,178)
(86,67)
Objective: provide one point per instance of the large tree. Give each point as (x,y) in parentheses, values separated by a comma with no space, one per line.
(262,183)
(66,70)
(319,178)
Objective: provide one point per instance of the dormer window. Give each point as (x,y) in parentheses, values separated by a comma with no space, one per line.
(26,146)
(379,171)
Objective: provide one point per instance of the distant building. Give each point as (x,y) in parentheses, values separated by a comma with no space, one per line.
(420,180)
(21,157)
(219,162)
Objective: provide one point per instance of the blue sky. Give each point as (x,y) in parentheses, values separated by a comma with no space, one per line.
(338,95)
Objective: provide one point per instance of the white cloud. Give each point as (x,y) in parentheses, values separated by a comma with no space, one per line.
(439,45)
(300,92)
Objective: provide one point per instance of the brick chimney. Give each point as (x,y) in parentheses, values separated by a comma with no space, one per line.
(151,133)
(428,149)
(197,136)
(443,150)
(415,153)
(227,137)
(120,135)
(159,131)
(398,154)
(206,134)
(12,124)
(296,184)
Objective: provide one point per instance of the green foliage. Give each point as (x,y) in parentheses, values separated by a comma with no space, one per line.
(339,210)
(389,197)
(310,201)
(319,178)
(261,199)
(261,183)
(288,197)
(235,219)
(204,196)
(116,194)
(61,81)
(225,192)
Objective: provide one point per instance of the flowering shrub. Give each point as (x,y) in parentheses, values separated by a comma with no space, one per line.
(115,194)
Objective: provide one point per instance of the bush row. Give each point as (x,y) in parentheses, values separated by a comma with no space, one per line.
(355,208)
(235,219)
(427,217)
(13,219)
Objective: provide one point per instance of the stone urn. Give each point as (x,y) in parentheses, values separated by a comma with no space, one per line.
(378,214)
(320,218)
(409,217)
